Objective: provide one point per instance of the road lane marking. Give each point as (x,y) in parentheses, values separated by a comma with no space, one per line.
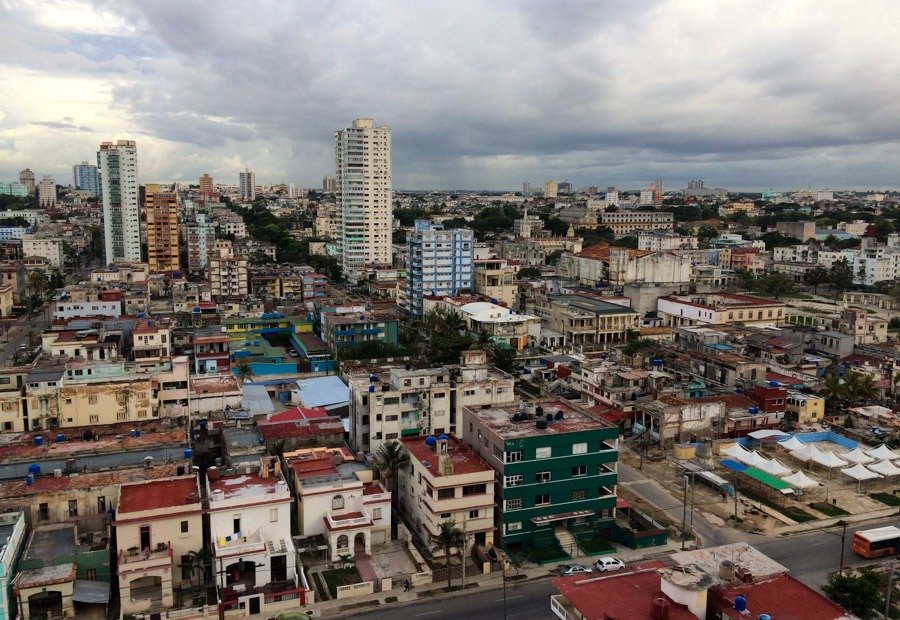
(428,613)
(509,598)
(820,543)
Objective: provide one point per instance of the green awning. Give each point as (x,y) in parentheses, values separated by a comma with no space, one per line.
(768,479)
(410,431)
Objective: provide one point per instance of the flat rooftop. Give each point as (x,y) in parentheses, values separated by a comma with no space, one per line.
(499,419)
(51,542)
(157,494)
(741,555)
(592,305)
(245,485)
(464,460)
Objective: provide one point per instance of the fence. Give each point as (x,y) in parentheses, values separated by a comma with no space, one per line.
(355,589)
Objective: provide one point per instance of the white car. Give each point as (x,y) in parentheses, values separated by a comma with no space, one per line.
(608,563)
(574,569)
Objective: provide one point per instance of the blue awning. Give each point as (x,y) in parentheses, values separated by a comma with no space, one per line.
(733,465)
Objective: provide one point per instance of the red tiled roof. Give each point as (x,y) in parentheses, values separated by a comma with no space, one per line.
(465,460)
(624,596)
(782,597)
(156,494)
(308,468)
(297,413)
(300,428)
(601,251)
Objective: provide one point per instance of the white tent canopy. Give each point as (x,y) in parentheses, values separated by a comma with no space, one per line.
(857,456)
(791,444)
(807,453)
(831,460)
(768,433)
(752,458)
(800,480)
(883,453)
(773,467)
(885,468)
(735,451)
(859,472)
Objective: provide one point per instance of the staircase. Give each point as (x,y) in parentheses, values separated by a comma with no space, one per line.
(568,542)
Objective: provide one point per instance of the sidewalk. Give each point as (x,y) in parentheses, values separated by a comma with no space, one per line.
(482,582)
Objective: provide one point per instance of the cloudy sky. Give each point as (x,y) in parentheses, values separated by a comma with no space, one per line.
(744,94)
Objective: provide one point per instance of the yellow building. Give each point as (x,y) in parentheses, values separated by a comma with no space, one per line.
(495,278)
(162,229)
(809,408)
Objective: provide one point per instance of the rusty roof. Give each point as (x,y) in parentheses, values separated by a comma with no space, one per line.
(157,494)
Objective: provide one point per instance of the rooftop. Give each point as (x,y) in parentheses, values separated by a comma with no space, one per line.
(593,305)
(246,486)
(323,392)
(602,596)
(782,597)
(157,494)
(464,460)
(601,252)
(46,576)
(742,555)
(499,419)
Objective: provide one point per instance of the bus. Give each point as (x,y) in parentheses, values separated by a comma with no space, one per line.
(878,542)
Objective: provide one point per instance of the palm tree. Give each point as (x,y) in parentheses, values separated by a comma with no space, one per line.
(197,562)
(448,537)
(389,460)
(244,371)
(833,391)
(864,387)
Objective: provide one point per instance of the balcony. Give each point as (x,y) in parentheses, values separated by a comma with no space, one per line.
(135,560)
(348,520)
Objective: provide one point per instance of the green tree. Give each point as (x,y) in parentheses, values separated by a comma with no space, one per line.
(841,275)
(257,258)
(503,358)
(528,272)
(816,277)
(778,240)
(197,561)
(776,284)
(390,458)
(861,386)
(833,391)
(244,371)
(860,593)
(449,537)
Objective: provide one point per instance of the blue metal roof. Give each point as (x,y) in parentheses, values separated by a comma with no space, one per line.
(733,465)
(323,391)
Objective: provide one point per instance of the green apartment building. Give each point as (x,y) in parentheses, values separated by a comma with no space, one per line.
(556,477)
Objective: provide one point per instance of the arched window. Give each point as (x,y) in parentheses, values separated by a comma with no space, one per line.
(337,502)
(343,541)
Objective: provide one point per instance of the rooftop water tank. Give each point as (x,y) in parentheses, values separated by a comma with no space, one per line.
(740,603)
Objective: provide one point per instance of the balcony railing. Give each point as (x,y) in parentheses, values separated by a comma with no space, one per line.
(134,559)
(335,521)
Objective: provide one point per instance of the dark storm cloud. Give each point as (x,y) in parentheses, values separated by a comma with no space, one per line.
(488,94)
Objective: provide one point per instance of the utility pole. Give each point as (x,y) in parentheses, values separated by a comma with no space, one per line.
(735,500)
(693,481)
(890,586)
(843,536)
(684,513)
(465,544)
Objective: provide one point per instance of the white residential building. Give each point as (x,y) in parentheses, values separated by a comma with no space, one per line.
(663,241)
(118,168)
(47,193)
(51,248)
(250,526)
(363,194)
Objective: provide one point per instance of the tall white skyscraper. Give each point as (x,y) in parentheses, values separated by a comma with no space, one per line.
(118,168)
(247,181)
(364,219)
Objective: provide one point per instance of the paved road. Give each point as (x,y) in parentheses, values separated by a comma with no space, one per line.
(524,601)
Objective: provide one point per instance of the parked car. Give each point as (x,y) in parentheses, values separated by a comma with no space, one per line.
(23,347)
(293,353)
(608,563)
(574,569)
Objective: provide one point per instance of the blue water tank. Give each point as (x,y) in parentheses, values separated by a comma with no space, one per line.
(739,391)
(773,384)
(203,424)
(765,617)
(137,433)
(29,480)
(372,378)
(131,433)
(371,388)
(60,438)
(261,440)
(754,410)
(431,441)
(188,454)
(443,438)
(38,440)
(856,362)
(34,469)
(740,603)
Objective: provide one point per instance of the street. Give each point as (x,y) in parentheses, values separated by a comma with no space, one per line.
(15,332)
(525,601)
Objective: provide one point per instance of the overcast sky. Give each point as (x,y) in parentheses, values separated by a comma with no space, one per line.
(485,95)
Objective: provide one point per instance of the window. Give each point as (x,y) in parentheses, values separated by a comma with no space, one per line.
(343,542)
(579,448)
(44,512)
(580,470)
(512,504)
(446,515)
(91,574)
(514,527)
(498,453)
(376,513)
(474,489)
(446,493)
(542,476)
(579,494)
(337,502)
(543,453)
(184,527)
(473,514)
(94,418)
(101,505)
(73,507)
(513,481)
(542,500)
(273,515)
(121,416)
(514,457)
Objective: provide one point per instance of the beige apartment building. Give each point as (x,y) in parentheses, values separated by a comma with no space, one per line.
(158,523)
(447,482)
(162,229)
(495,278)
(626,222)
(228,274)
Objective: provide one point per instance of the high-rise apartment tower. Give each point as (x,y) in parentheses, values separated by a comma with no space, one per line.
(86,177)
(162,228)
(247,182)
(118,168)
(362,156)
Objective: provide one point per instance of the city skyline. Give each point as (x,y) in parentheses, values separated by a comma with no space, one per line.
(745,96)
